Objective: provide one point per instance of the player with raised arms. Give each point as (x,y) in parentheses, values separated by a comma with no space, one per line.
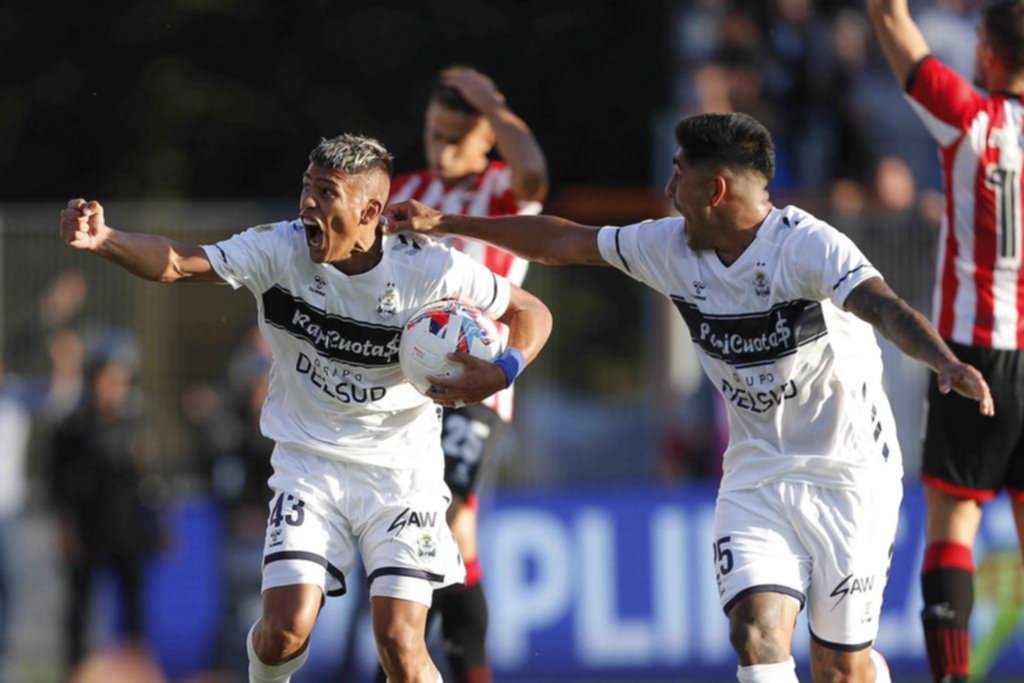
(466,118)
(782,309)
(358,465)
(978,304)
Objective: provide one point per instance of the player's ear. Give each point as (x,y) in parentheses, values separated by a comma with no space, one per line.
(719,188)
(372,211)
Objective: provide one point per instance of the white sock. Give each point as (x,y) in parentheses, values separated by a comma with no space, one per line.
(882,674)
(264,673)
(780,672)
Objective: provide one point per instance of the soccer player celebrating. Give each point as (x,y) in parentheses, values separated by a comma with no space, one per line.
(357,463)
(781,307)
(466,117)
(979,302)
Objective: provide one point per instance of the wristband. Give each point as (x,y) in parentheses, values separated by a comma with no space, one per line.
(511,363)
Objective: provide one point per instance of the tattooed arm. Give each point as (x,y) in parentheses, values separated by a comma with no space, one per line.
(874,302)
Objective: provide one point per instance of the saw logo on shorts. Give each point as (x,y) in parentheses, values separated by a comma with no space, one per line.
(851,585)
(335,337)
(748,339)
(409,517)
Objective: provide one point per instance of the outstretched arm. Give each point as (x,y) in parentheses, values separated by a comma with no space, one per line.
(529,322)
(545,239)
(874,302)
(150,257)
(901,39)
(512,136)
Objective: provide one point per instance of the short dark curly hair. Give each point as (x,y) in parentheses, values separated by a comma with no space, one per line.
(1004,27)
(729,140)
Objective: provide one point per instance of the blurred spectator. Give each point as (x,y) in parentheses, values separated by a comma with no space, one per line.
(57,308)
(102,453)
(63,392)
(14,432)
(234,453)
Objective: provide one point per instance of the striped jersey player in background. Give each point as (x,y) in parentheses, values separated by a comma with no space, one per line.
(357,463)
(979,302)
(782,310)
(467,117)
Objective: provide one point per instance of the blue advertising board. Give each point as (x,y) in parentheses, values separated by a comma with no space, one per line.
(619,583)
(596,584)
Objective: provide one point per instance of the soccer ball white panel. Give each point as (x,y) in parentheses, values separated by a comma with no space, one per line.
(440,328)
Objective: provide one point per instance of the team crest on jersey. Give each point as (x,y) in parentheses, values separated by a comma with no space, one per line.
(761,285)
(388,302)
(425,546)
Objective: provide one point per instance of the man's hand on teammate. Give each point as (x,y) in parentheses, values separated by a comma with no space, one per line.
(82,224)
(479,379)
(967,381)
(412,216)
(477,89)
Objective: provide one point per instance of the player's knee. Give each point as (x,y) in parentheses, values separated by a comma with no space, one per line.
(757,638)
(401,649)
(281,637)
(843,668)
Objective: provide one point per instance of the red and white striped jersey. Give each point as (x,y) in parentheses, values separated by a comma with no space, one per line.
(979,291)
(484,194)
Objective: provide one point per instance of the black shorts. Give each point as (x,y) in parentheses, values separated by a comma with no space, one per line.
(468,436)
(966,453)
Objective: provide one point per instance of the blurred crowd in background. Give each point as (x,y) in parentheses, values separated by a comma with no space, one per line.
(90,428)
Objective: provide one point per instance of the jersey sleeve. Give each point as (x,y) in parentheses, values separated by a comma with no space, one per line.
(476,284)
(943,99)
(828,264)
(252,258)
(637,250)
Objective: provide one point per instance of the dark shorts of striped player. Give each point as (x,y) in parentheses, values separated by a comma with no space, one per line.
(469,437)
(967,454)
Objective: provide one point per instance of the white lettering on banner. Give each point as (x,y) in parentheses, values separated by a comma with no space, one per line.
(517,540)
(609,640)
(604,638)
(672,581)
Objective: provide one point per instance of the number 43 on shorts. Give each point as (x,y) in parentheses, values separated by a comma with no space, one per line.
(295,514)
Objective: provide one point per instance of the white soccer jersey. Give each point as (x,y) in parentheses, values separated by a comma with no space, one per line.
(336,387)
(801,376)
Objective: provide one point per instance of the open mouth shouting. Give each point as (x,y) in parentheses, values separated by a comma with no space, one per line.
(315,237)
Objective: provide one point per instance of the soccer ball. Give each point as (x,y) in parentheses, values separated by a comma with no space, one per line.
(440,328)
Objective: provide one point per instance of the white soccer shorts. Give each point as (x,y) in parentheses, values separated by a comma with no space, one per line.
(324,511)
(827,547)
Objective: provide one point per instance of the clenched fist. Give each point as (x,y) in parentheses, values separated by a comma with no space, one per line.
(82,224)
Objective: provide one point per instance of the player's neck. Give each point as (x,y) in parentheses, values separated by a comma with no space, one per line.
(1011,84)
(363,258)
(740,232)
(477,170)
